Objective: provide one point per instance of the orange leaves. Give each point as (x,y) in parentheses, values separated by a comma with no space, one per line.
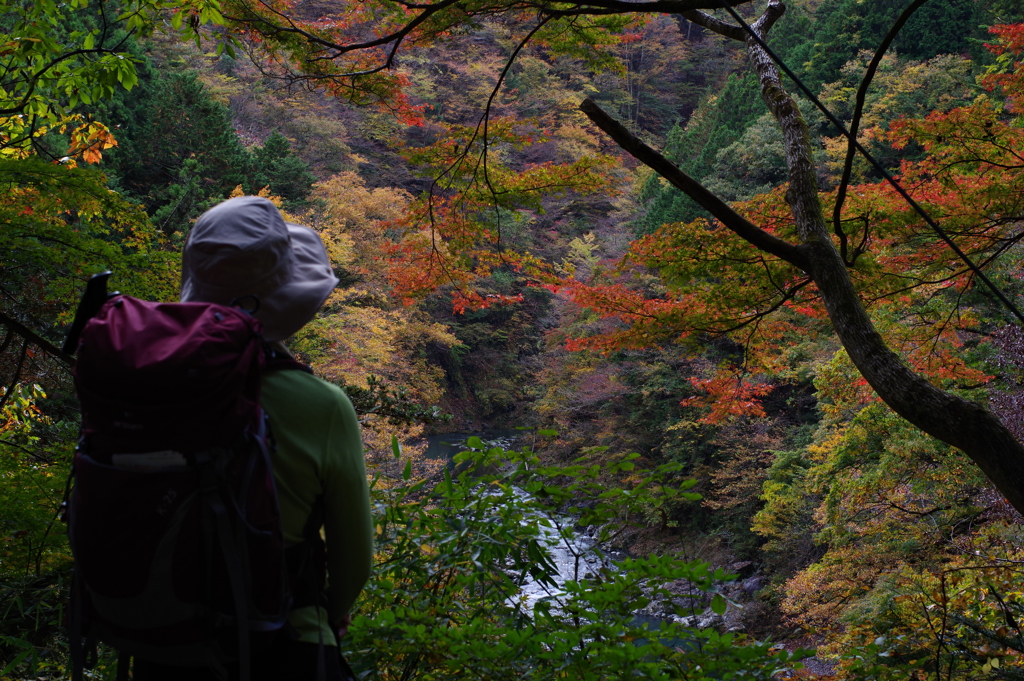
(90,140)
(1011,38)
(422,263)
(811,309)
(729,395)
(1007,72)
(970,181)
(647,321)
(414,267)
(974,169)
(471,300)
(342,53)
(617,300)
(691,280)
(454,235)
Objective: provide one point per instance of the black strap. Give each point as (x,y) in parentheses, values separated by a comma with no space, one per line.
(232,553)
(276,360)
(75,643)
(307,562)
(307,574)
(321,657)
(316,577)
(124,663)
(346,671)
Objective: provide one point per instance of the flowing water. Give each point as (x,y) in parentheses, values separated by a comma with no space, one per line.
(572,553)
(447,445)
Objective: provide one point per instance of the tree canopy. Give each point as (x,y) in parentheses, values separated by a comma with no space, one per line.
(622,220)
(791,255)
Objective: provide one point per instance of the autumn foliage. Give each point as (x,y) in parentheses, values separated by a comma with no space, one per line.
(502,260)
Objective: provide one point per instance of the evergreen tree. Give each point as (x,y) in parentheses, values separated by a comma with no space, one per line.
(275,165)
(718,122)
(845,27)
(178,152)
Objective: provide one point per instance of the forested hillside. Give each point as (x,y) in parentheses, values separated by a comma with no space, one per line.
(774,377)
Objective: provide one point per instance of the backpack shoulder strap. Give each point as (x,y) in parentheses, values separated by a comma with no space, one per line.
(307,561)
(277,360)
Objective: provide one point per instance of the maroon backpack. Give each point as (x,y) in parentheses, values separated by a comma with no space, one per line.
(173,518)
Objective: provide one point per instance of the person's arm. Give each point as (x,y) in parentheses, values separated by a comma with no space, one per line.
(348,526)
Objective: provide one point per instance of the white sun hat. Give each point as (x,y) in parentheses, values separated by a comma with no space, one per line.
(242,251)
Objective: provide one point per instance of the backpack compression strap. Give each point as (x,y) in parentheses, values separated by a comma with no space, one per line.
(209,487)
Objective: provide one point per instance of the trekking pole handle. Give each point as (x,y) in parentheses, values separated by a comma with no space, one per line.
(92,300)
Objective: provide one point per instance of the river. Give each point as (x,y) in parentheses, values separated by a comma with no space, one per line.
(447,445)
(573,554)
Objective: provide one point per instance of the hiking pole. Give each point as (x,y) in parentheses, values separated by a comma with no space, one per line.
(92,300)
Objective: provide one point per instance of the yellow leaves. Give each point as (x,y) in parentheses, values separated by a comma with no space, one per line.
(842,391)
(20,412)
(220,86)
(88,139)
(61,223)
(340,247)
(418,332)
(581,255)
(356,223)
(991,664)
(353,342)
(352,207)
(11,46)
(264,193)
(816,597)
(16,135)
(820,451)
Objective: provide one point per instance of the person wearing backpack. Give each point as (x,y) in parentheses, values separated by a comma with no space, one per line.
(243,247)
(240,254)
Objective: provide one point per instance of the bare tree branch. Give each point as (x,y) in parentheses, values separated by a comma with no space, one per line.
(716,25)
(34,338)
(695,190)
(858,111)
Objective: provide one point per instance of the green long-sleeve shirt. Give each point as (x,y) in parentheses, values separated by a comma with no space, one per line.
(320,453)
